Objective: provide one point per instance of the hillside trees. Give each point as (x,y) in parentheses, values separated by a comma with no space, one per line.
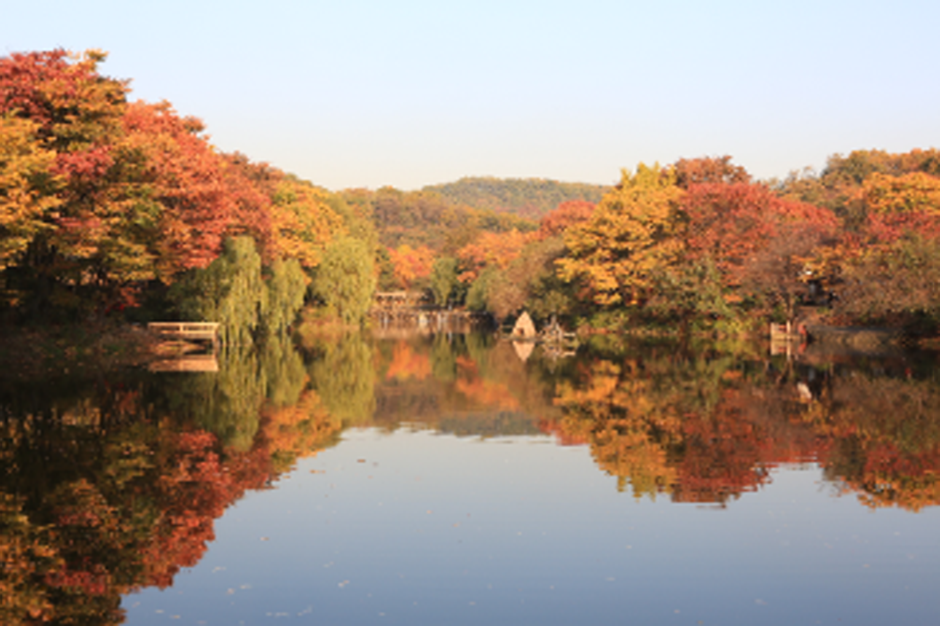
(425,219)
(527,197)
(901,205)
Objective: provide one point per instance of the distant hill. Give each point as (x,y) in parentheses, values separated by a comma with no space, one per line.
(526,197)
(425,218)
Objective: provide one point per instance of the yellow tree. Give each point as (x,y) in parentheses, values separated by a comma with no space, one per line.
(303,222)
(899,204)
(25,187)
(630,236)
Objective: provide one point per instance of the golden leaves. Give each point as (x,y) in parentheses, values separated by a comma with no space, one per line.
(628,237)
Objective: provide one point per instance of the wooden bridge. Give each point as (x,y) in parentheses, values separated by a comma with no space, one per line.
(400,313)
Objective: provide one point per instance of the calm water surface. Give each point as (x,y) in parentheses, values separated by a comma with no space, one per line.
(445,480)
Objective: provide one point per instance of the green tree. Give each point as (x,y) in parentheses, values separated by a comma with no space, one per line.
(230,291)
(345,280)
(897,283)
(444,279)
(691,292)
(479,289)
(286,285)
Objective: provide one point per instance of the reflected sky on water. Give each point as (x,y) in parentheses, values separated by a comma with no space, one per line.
(414,527)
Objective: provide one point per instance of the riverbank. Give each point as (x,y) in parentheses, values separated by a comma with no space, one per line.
(29,351)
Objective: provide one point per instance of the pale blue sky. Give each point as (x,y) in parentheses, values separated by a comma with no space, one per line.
(412,93)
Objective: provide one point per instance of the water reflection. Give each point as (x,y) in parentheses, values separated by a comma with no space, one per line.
(112,485)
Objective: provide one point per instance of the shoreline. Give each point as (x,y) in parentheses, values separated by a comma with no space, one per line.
(94,347)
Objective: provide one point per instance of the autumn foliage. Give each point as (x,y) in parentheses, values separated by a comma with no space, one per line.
(100,195)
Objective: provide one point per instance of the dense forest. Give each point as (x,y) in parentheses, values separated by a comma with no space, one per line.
(117,208)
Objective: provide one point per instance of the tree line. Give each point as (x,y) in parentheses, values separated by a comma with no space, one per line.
(111,205)
(700,242)
(108,204)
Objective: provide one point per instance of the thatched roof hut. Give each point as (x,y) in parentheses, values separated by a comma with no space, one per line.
(524,328)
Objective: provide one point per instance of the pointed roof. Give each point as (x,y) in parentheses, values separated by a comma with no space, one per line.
(524,327)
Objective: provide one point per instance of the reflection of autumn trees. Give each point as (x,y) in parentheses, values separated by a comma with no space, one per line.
(300,429)
(126,505)
(665,423)
(885,434)
(463,380)
(709,427)
(610,410)
(110,487)
(27,557)
(408,362)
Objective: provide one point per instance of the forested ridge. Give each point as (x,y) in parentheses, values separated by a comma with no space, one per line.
(111,207)
(527,197)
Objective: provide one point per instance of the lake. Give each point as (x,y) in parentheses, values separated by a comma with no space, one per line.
(459,479)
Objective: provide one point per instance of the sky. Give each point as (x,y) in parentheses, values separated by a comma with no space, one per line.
(411,93)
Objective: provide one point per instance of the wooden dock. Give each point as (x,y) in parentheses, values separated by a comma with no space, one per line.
(186,331)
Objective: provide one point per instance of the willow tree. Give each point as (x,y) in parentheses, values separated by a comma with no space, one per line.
(346,279)
(230,291)
(286,285)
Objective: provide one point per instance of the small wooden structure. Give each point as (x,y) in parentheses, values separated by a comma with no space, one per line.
(555,334)
(395,299)
(782,338)
(186,331)
(524,328)
(556,343)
